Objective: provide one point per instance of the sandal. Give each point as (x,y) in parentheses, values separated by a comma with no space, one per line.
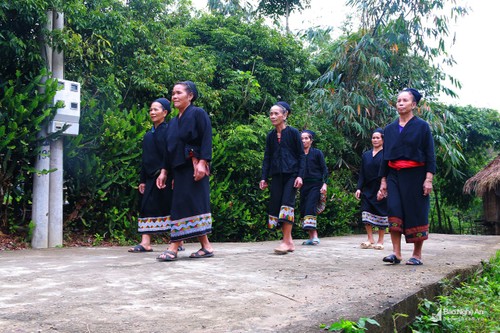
(204,253)
(139,248)
(392,259)
(313,241)
(366,245)
(167,256)
(414,262)
(378,246)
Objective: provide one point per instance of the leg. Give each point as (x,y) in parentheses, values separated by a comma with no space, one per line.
(369,243)
(146,241)
(396,244)
(145,244)
(369,232)
(205,243)
(381,232)
(313,233)
(286,244)
(417,249)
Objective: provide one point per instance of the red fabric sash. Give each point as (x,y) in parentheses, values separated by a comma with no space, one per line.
(404,164)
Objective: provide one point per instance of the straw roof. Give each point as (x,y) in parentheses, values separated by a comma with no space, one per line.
(485,180)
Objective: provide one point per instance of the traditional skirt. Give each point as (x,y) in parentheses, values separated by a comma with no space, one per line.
(408,208)
(154,216)
(191,215)
(373,211)
(282,201)
(309,199)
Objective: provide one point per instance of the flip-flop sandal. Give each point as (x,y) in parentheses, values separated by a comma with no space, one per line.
(281,252)
(139,248)
(166,256)
(181,248)
(414,262)
(378,247)
(314,241)
(392,259)
(205,254)
(366,245)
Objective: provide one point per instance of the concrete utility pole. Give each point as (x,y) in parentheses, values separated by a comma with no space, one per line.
(47,208)
(56,157)
(40,207)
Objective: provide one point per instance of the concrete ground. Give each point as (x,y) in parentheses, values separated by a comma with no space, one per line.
(243,288)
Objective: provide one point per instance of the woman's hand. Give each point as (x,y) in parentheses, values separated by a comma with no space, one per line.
(298,182)
(141,188)
(323,189)
(200,169)
(162,178)
(263,184)
(358,194)
(427,186)
(382,192)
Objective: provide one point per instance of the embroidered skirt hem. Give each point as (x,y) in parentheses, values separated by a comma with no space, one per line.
(190,227)
(150,225)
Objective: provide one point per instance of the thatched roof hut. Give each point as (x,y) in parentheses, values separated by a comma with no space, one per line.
(485,180)
(486,184)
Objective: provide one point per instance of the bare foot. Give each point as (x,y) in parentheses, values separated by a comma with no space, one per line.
(284,248)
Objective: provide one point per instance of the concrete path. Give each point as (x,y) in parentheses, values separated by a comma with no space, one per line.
(243,288)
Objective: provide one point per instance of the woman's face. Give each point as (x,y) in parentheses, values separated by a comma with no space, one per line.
(157,113)
(405,103)
(277,116)
(377,140)
(306,140)
(181,97)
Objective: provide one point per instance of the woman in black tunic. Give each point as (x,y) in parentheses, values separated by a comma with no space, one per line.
(315,179)
(190,152)
(154,216)
(284,161)
(407,174)
(373,211)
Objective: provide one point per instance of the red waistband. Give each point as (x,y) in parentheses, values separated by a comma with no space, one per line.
(405,164)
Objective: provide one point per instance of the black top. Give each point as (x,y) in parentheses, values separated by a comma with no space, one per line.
(154,153)
(191,133)
(315,166)
(370,166)
(414,143)
(286,156)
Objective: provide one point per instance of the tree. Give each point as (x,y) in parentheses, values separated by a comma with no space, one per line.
(232,8)
(392,49)
(279,8)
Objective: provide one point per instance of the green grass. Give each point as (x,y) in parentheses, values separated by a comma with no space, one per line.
(472,307)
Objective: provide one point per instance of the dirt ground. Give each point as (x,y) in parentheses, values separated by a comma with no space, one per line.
(243,288)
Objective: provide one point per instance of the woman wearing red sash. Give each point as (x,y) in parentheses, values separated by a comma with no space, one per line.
(407,172)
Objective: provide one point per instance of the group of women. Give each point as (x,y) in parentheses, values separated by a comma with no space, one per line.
(174,177)
(396,180)
(394,184)
(292,164)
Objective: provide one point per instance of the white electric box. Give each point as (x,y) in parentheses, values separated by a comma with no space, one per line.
(69,93)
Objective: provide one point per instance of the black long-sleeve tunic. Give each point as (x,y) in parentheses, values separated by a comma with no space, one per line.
(414,143)
(283,157)
(315,167)
(154,153)
(191,133)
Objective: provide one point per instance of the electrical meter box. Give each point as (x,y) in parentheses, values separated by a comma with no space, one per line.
(69,115)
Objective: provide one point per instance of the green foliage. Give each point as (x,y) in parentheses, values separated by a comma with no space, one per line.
(254,67)
(125,54)
(101,171)
(348,326)
(23,114)
(473,307)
